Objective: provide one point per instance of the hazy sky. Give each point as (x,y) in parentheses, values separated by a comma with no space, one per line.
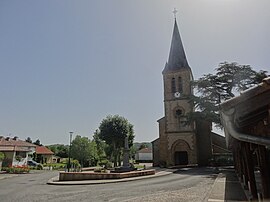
(65,65)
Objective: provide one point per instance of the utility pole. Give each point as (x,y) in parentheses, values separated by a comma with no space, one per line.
(70,138)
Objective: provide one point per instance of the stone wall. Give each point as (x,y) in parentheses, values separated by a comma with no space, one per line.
(155,149)
(76,176)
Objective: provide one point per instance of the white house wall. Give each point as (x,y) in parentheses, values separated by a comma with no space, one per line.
(144,156)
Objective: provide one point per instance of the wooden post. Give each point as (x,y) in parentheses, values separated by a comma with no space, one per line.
(244,172)
(239,165)
(243,165)
(264,170)
(235,160)
(250,169)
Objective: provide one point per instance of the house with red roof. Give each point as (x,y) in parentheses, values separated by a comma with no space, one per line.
(44,155)
(17,152)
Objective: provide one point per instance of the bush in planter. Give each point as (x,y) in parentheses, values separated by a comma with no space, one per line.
(100,170)
(105,163)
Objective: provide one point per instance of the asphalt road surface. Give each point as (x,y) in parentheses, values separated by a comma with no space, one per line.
(185,185)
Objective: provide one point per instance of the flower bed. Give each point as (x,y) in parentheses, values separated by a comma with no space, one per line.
(16,169)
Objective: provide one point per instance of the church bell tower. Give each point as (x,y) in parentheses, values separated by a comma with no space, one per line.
(177,139)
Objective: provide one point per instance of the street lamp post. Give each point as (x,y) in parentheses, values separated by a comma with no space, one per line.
(70,138)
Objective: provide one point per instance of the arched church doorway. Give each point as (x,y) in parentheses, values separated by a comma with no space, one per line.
(181,158)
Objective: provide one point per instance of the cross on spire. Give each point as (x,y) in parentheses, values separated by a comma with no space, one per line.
(174,12)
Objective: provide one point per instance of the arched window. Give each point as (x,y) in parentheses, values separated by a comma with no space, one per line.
(180,84)
(173,85)
(178,112)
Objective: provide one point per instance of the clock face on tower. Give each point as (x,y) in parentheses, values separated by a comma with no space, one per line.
(177,94)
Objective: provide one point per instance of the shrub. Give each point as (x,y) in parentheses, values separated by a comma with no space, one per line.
(100,170)
(39,167)
(221,160)
(56,166)
(103,162)
(140,167)
(75,163)
(18,158)
(108,165)
(7,162)
(2,156)
(16,169)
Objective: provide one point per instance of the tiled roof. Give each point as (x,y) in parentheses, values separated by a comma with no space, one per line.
(43,150)
(15,142)
(145,150)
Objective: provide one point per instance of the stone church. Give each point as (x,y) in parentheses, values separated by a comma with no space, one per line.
(180,142)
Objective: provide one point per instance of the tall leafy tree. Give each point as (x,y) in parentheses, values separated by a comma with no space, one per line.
(84,150)
(62,150)
(37,142)
(113,130)
(59,150)
(101,145)
(227,82)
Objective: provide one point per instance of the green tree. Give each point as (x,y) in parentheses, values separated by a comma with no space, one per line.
(114,130)
(28,139)
(52,148)
(142,146)
(59,150)
(101,145)
(132,151)
(228,81)
(62,151)
(84,150)
(37,142)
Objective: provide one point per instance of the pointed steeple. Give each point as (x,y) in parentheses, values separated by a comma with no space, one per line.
(177,58)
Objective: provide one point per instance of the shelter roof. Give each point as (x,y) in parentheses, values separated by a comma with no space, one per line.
(245,117)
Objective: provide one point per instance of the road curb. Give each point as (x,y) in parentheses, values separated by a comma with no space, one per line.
(55,180)
(216,194)
(227,188)
(8,176)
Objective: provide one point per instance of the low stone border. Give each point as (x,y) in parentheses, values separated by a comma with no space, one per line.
(76,176)
(159,173)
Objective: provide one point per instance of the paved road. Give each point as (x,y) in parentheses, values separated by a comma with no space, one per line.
(185,185)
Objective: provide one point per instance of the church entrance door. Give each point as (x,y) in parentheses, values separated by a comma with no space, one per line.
(181,158)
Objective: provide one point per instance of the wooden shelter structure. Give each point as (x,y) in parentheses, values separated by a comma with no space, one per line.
(246,121)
